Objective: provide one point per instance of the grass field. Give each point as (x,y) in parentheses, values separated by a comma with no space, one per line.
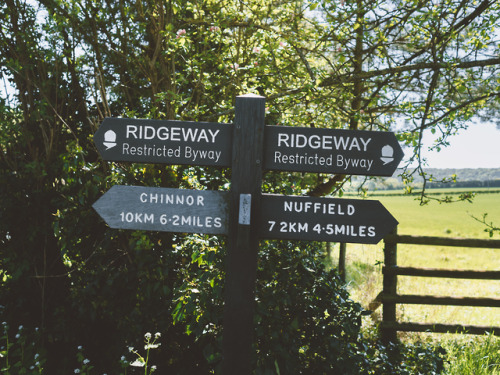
(434,219)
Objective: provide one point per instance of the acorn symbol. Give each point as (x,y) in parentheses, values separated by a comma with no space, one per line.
(109,139)
(387,154)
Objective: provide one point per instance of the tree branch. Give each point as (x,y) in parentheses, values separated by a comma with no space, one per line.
(353,77)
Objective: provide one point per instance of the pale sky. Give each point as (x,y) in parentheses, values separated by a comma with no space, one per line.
(476,147)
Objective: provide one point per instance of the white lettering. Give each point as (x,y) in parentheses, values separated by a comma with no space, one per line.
(174,134)
(213,134)
(149,132)
(131,131)
(283,138)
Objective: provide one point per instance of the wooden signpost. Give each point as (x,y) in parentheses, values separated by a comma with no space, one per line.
(244,214)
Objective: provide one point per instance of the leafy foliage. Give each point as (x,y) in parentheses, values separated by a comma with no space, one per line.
(68,64)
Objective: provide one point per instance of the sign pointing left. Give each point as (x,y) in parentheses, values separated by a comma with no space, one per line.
(165,209)
(164,142)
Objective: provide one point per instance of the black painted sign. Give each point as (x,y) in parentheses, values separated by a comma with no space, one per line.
(368,153)
(165,209)
(164,141)
(273,216)
(324,219)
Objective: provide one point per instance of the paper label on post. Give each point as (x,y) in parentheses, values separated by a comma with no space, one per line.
(245,204)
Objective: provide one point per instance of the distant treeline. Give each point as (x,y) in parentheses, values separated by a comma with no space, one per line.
(464,184)
(437,179)
(466,174)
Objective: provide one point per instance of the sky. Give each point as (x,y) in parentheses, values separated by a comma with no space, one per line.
(476,147)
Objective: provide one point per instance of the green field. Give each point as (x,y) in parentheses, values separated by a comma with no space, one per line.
(433,219)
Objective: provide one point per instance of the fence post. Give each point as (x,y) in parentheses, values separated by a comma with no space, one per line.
(390,285)
(342,254)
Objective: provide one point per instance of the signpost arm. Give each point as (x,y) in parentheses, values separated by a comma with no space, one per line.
(243,242)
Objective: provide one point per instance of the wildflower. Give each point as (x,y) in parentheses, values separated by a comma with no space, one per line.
(77,371)
(181,32)
(148,336)
(137,363)
(157,335)
(214,28)
(80,347)
(282,44)
(123,359)
(256,49)
(86,361)
(20,327)
(235,66)
(18,336)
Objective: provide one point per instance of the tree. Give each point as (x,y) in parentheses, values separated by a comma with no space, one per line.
(408,66)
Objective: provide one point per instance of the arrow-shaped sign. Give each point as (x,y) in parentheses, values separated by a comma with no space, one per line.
(164,209)
(324,219)
(368,153)
(164,141)
(286,148)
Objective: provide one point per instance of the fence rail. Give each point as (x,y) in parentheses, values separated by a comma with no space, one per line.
(389,297)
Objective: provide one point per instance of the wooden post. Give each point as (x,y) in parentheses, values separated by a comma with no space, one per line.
(342,253)
(243,243)
(390,286)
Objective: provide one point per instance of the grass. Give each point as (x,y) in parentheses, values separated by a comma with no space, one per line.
(443,220)
(479,356)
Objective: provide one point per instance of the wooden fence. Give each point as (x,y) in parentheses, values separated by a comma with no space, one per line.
(390,298)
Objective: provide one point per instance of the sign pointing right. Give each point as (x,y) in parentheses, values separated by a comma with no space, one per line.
(358,152)
(324,219)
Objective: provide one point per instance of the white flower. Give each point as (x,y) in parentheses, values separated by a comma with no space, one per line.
(77,371)
(157,335)
(86,361)
(123,359)
(148,336)
(80,347)
(137,363)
